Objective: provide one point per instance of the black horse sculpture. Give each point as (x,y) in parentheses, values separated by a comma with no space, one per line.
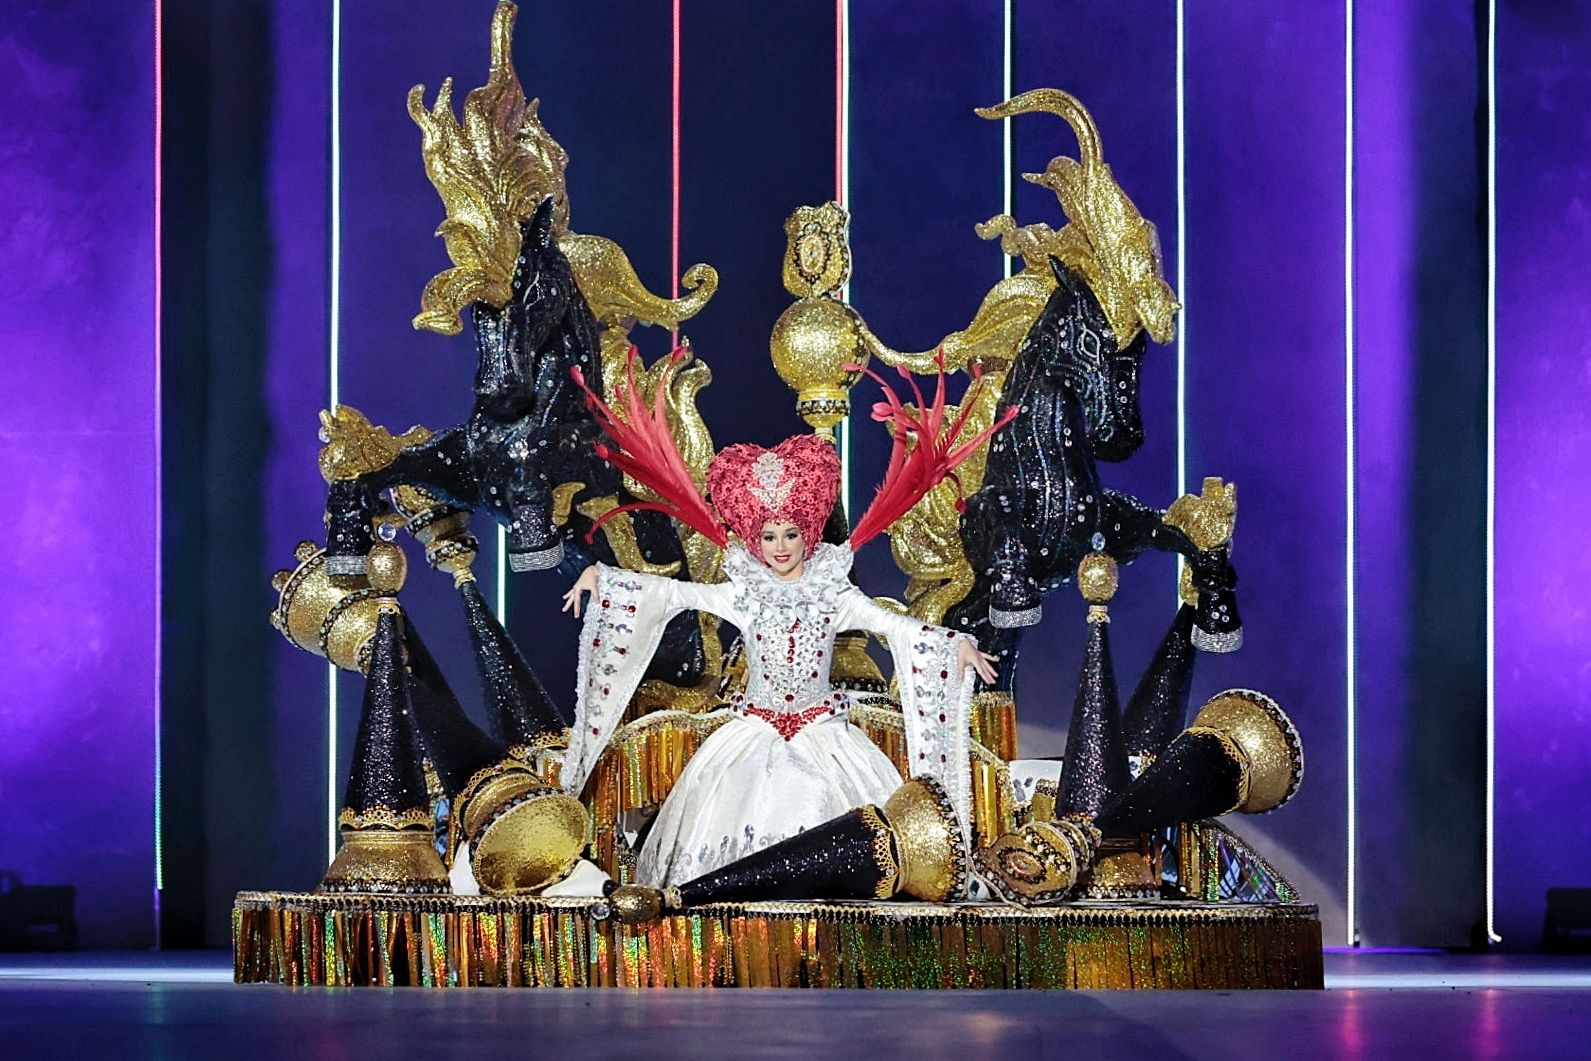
(1042,506)
(528,432)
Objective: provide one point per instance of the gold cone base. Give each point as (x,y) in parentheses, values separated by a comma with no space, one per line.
(384,860)
(456,941)
(1124,868)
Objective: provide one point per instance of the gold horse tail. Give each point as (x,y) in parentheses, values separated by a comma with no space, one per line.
(1062,104)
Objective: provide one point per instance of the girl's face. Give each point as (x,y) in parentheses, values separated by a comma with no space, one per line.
(782,549)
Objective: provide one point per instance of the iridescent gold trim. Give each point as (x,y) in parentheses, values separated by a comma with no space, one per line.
(456,941)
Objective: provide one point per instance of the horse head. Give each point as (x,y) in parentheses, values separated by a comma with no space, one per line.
(543,282)
(1082,353)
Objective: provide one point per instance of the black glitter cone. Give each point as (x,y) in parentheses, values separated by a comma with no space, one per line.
(522,834)
(1241,753)
(1095,768)
(457,747)
(835,860)
(912,845)
(523,717)
(386,821)
(1159,706)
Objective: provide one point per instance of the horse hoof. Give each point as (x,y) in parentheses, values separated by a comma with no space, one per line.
(536,559)
(1223,641)
(1004,620)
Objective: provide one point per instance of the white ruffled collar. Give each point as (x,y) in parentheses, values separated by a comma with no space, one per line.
(827,570)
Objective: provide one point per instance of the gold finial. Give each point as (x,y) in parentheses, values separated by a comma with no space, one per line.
(817,255)
(816,338)
(1097,581)
(1106,239)
(491,170)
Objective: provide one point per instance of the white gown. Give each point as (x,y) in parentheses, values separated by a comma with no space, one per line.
(788,758)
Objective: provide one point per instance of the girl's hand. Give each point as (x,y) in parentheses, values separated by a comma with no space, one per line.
(586,583)
(969,655)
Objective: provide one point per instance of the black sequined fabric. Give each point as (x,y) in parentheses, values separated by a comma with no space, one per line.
(1158,709)
(1216,580)
(1095,768)
(1193,779)
(456,746)
(386,771)
(830,861)
(518,708)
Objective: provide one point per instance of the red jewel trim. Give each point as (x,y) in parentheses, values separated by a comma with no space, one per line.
(789,723)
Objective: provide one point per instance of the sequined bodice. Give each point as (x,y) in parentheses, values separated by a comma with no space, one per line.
(789,630)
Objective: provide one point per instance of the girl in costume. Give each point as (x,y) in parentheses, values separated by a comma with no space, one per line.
(788,758)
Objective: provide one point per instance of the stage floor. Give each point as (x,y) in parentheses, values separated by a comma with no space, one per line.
(1405,1005)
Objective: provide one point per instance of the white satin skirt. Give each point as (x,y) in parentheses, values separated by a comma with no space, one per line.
(747,787)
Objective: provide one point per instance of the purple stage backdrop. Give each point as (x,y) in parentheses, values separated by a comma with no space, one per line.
(1543,628)
(1266,334)
(78,450)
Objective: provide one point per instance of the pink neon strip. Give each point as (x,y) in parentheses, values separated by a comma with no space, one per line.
(839,101)
(159,285)
(674,188)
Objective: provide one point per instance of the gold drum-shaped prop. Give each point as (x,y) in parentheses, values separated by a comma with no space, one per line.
(337,622)
(928,843)
(1264,737)
(523,834)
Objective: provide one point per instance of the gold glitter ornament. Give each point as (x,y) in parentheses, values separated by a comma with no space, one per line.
(1097,578)
(319,616)
(386,567)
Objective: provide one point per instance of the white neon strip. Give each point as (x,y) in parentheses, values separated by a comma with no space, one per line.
(1491,471)
(159,277)
(334,379)
(1007,90)
(502,574)
(1182,260)
(842,193)
(1350,478)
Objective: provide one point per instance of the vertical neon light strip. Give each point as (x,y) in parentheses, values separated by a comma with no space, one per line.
(842,195)
(1182,260)
(159,277)
(674,160)
(1007,90)
(1351,477)
(1491,471)
(335,378)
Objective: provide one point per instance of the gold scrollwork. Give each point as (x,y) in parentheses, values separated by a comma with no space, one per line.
(354,446)
(1106,240)
(491,170)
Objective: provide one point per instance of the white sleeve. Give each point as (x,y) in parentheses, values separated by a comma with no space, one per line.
(623,624)
(935,698)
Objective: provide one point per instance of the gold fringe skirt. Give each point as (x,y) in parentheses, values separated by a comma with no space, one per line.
(455,941)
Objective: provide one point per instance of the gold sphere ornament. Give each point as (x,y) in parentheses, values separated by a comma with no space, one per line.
(1097,578)
(816,338)
(386,567)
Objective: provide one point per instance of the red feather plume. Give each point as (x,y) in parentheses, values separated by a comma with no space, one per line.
(644,448)
(926,449)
